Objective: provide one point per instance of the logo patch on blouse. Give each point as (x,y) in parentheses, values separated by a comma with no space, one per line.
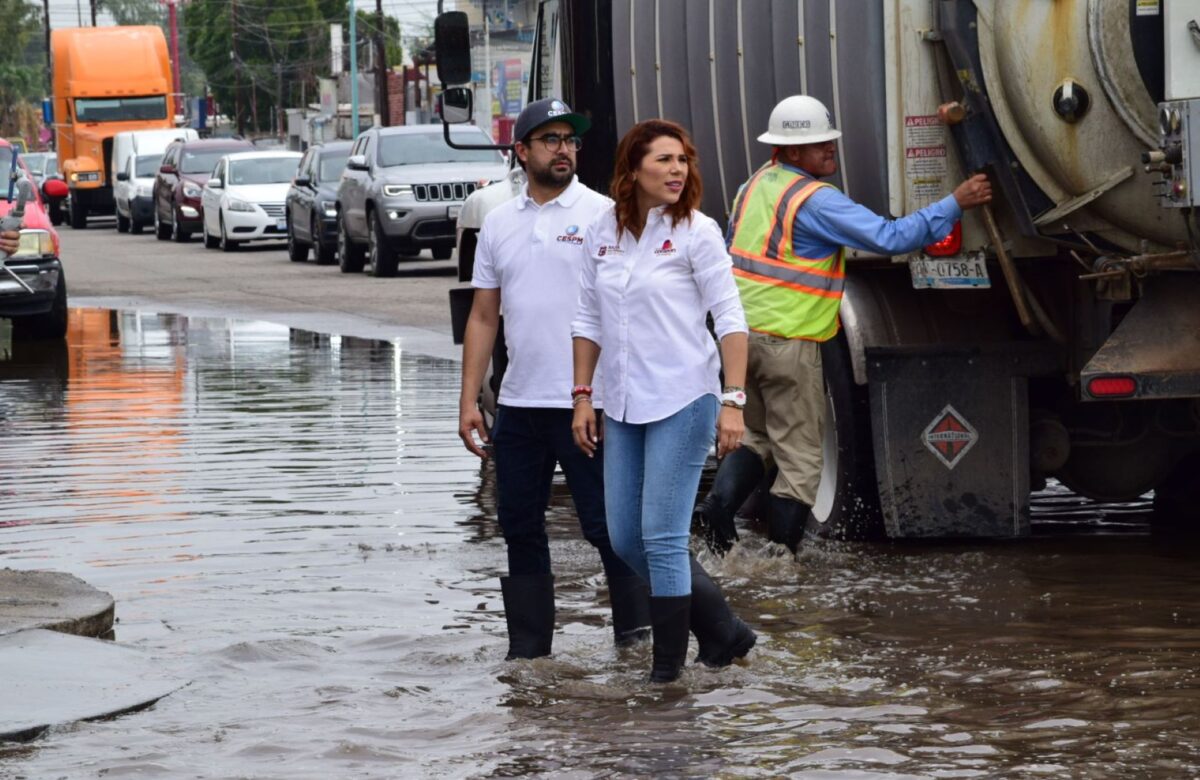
(608,250)
(667,248)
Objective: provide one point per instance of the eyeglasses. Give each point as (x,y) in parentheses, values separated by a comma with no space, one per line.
(553,141)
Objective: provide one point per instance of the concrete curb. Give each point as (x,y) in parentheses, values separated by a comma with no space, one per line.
(55,601)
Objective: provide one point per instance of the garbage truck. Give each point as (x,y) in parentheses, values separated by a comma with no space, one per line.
(1054,335)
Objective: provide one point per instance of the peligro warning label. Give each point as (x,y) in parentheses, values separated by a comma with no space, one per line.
(925,165)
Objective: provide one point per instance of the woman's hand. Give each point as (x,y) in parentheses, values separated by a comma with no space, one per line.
(730,427)
(585,428)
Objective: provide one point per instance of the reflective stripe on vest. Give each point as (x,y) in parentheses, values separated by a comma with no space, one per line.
(783,294)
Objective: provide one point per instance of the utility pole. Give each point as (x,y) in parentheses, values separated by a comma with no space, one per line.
(353,70)
(49,78)
(237,71)
(92,3)
(381,67)
(279,100)
(173,24)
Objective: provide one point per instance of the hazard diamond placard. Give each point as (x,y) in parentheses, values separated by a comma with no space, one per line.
(950,436)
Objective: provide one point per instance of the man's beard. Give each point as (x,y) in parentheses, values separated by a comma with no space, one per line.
(548,177)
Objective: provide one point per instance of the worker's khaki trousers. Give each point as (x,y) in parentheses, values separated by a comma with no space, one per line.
(785,412)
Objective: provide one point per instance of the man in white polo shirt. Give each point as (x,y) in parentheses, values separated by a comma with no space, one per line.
(527,265)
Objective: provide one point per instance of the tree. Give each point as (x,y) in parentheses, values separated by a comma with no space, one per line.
(22,66)
(134,12)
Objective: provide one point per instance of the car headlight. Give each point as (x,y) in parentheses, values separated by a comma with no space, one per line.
(35,243)
(397,190)
(191,190)
(239,205)
(329,208)
(92,176)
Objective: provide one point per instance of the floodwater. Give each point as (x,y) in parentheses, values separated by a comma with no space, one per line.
(289,520)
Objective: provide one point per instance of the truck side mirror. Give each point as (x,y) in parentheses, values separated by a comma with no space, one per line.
(452,47)
(302,181)
(357,162)
(214,184)
(457,105)
(166,169)
(122,176)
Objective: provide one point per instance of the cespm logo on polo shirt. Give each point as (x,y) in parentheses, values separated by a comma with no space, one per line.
(667,248)
(572,235)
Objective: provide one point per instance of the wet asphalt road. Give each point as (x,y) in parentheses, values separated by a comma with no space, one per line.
(287,518)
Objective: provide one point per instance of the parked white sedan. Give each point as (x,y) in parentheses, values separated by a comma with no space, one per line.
(243,201)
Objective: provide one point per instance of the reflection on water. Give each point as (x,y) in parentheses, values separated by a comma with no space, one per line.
(290,517)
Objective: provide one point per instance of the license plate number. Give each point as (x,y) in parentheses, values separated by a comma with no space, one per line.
(281,224)
(949,273)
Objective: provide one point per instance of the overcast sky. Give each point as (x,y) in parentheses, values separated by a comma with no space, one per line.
(414,15)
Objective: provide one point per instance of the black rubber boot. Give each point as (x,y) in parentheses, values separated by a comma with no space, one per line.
(529,612)
(630,599)
(738,475)
(786,520)
(721,634)
(671,616)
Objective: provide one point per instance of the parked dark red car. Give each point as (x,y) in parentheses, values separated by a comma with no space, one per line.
(186,167)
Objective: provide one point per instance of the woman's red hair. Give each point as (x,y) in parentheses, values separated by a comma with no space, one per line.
(630,151)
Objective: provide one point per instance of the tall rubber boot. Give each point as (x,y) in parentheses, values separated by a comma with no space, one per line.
(671,616)
(721,634)
(786,521)
(529,612)
(738,475)
(630,599)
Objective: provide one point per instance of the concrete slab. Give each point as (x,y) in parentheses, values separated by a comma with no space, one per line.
(52,679)
(53,600)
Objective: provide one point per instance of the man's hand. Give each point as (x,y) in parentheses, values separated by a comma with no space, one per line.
(470,423)
(10,241)
(973,192)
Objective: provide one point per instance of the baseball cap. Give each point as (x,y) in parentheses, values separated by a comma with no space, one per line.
(548,110)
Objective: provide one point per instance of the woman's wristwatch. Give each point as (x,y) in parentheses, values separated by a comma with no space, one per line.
(734,396)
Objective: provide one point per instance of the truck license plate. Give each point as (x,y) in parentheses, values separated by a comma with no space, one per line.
(949,273)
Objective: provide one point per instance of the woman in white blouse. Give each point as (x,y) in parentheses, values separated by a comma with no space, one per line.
(656,267)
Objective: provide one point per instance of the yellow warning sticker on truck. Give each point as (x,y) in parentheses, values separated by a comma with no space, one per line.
(1147,7)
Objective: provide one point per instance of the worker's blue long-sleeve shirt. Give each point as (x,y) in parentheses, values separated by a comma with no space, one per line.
(829,220)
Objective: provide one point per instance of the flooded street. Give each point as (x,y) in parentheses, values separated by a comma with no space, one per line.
(290,521)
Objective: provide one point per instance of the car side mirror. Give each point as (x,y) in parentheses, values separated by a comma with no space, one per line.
(122,176)
(166,169)
(55,188)
(302,181)
(357,162)
(215,184)
(457,105)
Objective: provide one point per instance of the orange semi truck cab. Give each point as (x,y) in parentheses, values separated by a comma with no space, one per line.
(106,80)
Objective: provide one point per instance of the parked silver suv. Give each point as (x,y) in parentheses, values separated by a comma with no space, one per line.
(402,190)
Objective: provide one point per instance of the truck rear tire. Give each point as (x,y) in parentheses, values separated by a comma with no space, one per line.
(847,505)
(1177,500)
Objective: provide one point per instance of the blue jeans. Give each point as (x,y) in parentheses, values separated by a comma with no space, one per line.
(651,474)
(527,443)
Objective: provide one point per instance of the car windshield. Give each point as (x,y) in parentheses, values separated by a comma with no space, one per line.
(36,162)
(332,166)
(146,165)
(120,109)
(201,161)
(419,148)
(265,170)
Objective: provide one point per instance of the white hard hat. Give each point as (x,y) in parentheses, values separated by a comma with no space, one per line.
(799,119)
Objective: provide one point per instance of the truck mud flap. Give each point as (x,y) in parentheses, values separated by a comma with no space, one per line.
(1155,351)
(951,435)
